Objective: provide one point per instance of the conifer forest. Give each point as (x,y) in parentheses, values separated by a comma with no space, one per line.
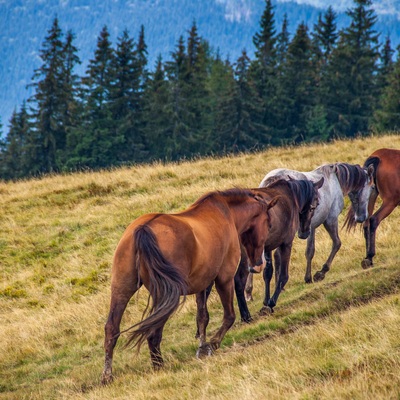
(314,84)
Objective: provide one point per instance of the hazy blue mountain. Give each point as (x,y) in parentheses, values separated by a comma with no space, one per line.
(228,25)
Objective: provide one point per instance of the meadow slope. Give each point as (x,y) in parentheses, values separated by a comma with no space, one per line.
(337,339)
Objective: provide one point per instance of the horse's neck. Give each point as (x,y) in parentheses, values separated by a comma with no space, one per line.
(242,215)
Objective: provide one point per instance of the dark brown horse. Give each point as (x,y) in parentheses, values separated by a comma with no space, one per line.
(292,213)
(385,166)
(175,255)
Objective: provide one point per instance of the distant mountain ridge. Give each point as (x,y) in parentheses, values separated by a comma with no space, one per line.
(228,25)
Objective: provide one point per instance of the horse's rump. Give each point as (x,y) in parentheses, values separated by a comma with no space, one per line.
(166,284)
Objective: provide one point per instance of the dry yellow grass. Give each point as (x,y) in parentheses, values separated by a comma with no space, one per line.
(337,339)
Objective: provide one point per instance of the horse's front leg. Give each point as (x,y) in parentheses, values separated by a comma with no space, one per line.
(240,282)
(333,230)
(283,252)
(267,276)
(310,251)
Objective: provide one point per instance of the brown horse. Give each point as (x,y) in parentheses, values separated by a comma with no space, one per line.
(385,165)
(293,213)
(175,255)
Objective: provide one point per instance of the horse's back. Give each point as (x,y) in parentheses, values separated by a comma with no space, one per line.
(281,173)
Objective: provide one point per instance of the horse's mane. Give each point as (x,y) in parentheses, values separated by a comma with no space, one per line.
(303,189)
(350,176)
(372,161)
(233,193)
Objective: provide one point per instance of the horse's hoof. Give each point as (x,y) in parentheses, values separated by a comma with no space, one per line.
(308,280)
(205,350)
(247,320)
(266,310)
(106,378)
(366,263)
(319,276)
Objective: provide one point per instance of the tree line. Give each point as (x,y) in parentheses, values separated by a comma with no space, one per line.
(314,85)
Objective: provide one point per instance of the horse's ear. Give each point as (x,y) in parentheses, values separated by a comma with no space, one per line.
(269,204)
(319,184)
(273,202)
(370,171)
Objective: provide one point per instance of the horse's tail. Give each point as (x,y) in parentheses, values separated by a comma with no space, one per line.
(167,285)
(350,222)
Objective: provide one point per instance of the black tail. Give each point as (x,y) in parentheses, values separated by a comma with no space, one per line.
(350,222)
(167,285)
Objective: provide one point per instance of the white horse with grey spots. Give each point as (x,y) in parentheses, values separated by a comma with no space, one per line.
(340,180)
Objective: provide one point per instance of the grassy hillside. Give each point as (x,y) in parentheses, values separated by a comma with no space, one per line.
(337,339)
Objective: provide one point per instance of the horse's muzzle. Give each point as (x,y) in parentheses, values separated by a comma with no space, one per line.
(260,266)
(303,235)
(361,218)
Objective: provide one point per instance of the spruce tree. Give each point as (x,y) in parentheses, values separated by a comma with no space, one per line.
(350,85)
(158,129)
(126,99)
(93,143)
(387,116)
(180,135)
(297,96)
(50,101)
(15,157)
(239,122)
(325,34)
(263,68)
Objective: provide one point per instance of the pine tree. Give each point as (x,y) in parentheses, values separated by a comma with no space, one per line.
(15,156)
(282,42)
(198,96)
(263,68)
(93,143)
(239,122)
(53,91)
(385,65)
(325,35)
(158,115)
(297,96)
(125,99)
(350,85)
(387,116)
(179,139)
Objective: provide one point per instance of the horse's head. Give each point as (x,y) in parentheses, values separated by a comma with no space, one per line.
(307,211)
(255,236)
(359,197)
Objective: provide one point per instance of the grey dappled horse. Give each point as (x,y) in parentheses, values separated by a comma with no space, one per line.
(340,179)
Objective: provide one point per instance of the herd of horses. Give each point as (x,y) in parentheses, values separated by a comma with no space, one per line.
(226,236)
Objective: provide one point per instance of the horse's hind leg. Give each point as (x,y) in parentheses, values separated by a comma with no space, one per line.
(202,320)
(374,221)
(154,342)
(333,230)
(202,312)
(120,296)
